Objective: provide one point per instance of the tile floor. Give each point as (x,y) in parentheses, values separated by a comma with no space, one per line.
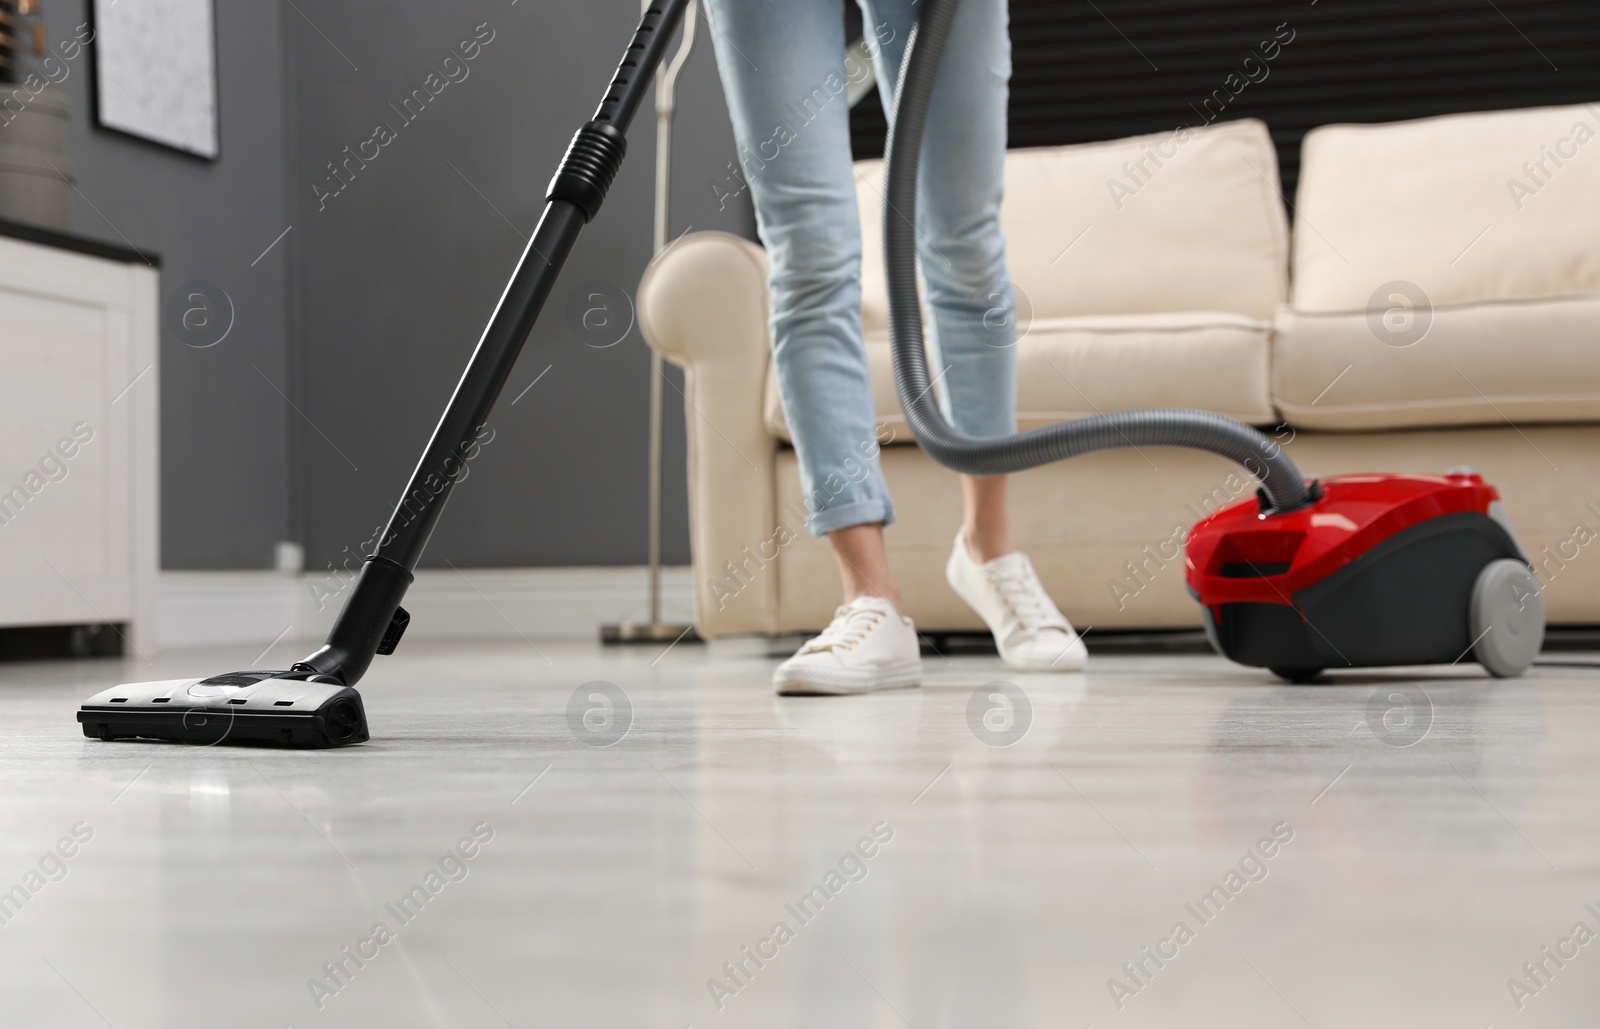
(1171,842)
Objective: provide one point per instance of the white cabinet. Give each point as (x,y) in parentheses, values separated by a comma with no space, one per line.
(79,468)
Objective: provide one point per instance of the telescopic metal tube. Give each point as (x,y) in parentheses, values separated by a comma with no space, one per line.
(574,196)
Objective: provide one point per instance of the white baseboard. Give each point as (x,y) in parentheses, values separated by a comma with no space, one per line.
(202,609)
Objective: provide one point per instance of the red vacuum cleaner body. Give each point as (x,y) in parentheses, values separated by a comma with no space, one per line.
(1378,570)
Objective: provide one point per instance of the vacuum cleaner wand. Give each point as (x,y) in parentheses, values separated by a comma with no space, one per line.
(372,619)
(312,704)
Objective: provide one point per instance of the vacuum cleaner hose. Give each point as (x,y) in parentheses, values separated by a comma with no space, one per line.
(1173,427)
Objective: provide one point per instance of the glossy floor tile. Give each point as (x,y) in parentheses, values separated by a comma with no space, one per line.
(567,836)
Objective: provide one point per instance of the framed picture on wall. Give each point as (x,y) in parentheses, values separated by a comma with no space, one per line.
(156,72)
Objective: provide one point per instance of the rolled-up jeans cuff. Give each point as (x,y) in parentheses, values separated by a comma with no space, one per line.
(862,512)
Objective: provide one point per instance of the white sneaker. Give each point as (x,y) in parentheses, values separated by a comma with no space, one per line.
(1030,632)
(868,646)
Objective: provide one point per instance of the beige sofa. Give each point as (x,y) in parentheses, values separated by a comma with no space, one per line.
(1437,304)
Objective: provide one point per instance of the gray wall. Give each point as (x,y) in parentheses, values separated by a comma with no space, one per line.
(365,313)
(224,432)
(397,274)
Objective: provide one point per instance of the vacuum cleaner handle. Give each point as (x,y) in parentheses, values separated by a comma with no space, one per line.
(371,621)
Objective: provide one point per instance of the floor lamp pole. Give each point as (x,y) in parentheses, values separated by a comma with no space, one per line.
(666,85)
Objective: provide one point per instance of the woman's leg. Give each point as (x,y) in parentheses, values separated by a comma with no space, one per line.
(864,563)
(783,70)
(782,62)
(986,527)
(972,341)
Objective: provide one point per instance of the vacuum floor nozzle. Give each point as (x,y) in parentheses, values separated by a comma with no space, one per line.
(255,707)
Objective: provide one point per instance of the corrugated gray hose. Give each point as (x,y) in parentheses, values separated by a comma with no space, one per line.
(997,455)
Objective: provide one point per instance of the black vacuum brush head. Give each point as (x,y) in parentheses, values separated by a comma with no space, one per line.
(260,707)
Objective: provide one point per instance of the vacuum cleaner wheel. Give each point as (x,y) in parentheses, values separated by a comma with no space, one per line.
(1299,676)
(1507,618)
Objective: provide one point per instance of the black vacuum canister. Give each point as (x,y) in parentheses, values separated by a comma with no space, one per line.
(238,707)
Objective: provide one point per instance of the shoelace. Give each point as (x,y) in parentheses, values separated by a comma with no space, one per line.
(1025,595)
(849,627)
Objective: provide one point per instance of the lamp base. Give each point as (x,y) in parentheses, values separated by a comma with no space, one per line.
(648,632)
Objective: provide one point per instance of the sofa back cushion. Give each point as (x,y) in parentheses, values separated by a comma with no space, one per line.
(1496,205)
(1446,272)
(1184,220)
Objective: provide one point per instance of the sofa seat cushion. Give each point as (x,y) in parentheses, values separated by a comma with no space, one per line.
(1075,367)
(1483,363)
(1445,273)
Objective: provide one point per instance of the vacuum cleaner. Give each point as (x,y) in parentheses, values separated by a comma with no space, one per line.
(1353,571)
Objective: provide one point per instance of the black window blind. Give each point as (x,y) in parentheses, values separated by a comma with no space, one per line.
(1085,71)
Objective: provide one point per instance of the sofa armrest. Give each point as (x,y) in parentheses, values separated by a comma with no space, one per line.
(703,304)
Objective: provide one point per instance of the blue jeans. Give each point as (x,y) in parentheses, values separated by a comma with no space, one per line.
(785,74)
